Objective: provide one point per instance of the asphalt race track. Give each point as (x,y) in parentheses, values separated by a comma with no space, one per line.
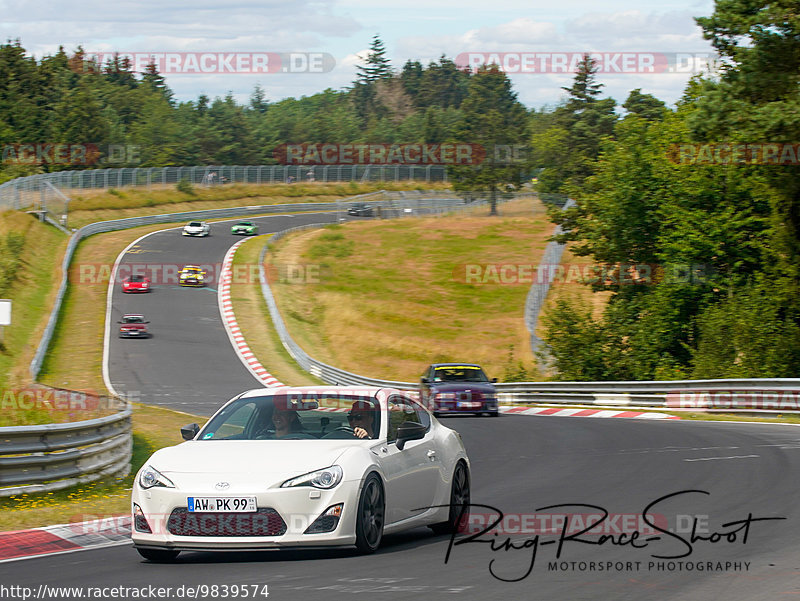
(739,473)
(188,364)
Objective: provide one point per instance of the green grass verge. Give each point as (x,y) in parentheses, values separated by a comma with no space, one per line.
(788,418)
(32,293)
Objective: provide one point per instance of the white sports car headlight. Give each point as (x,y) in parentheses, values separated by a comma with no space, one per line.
(150,477)
(324,478)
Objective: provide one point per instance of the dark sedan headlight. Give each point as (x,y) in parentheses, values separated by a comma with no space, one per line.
(150,477)
(325,478)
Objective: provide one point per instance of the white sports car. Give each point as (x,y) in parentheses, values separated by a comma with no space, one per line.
(306,466)
(196,228)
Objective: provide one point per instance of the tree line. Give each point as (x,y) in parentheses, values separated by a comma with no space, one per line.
(67,99)
(700,205)
(703,252)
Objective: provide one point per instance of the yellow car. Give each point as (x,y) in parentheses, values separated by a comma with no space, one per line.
(191,275)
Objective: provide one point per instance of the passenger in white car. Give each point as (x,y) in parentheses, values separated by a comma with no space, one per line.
(286,422)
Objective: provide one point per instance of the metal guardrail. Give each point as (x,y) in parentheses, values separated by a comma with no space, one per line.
(24,192)
(655,387)
(621,393)
(412,200)
(51,457)
(544,278)
(54,456)
(327,373)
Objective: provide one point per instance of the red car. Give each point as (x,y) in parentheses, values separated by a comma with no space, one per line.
(136,283)
(133,326)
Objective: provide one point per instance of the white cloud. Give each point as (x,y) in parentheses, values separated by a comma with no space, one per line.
(416,30)
(524,31)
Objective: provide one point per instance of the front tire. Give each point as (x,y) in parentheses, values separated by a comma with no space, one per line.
(370,518)
(459,498)
(158,555)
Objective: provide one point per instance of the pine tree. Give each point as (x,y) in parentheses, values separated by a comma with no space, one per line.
(494,120)
(258,100)
(411,76)
(117,70)
(569,149)
(377,65)
(443,84)
(584,88)
(156,82)
(645,106)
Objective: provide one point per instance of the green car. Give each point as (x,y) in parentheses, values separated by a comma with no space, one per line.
(245,228)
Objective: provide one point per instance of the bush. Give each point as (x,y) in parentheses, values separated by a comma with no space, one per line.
(581,347)
(514,369)
(748,335)
(185,186)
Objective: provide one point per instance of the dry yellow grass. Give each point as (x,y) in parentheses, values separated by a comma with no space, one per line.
(392,295)
(254,320)
(569,289)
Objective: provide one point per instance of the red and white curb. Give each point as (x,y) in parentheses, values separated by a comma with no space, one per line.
(232,327)
(65,538)
(576,412)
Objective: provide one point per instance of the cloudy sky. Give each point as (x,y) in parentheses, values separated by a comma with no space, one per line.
(216,47)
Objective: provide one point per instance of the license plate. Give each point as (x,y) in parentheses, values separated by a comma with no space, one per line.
(467,405)
(226,504)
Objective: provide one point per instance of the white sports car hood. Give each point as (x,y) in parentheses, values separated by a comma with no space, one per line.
(244,460)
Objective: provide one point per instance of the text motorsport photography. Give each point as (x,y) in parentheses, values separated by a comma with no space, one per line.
(669,543)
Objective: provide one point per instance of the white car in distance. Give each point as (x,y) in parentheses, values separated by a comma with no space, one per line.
(196,228)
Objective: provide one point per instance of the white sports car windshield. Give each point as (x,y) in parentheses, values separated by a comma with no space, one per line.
(294,417)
